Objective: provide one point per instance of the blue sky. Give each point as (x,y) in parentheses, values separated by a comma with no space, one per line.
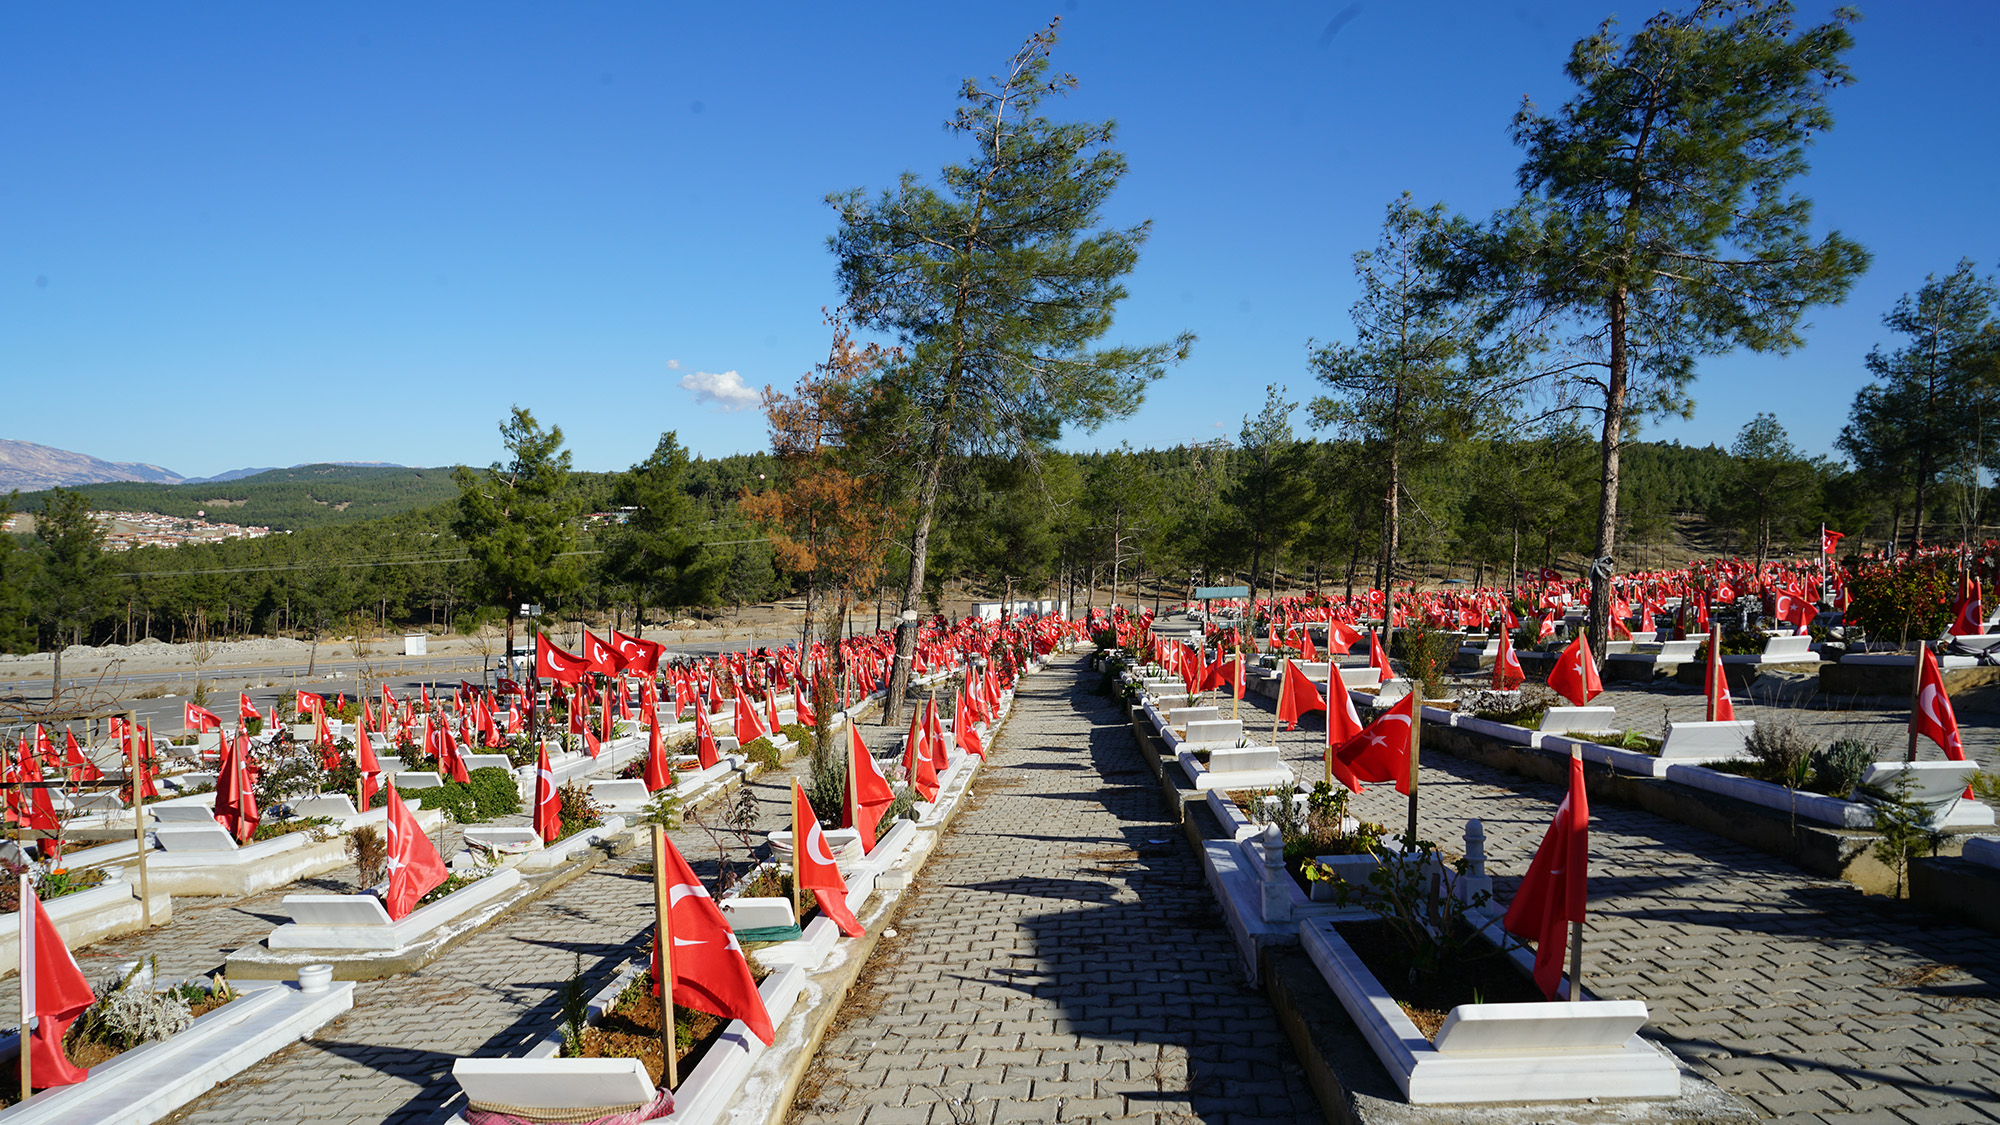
(264,234)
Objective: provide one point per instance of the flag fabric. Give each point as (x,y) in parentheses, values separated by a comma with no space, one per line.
(1507,671)
(1381,752)
(639,656)
(246,710)
(1376,657)
(1715,685)
(964,728)
(816,870)
(868,792)
(198,718)
(368,766)
(749,728)
(1829,541)
(1966,618)
(917,765)
(60,995)
(1297,696)
(552,663)
(548,803)
(600,656)
(1340,637)
(704,736)
(709,971)
(1932,717)
(235,799)
(659,773)
(1343,722)
(1555,889)
(415,868)
(1575,674)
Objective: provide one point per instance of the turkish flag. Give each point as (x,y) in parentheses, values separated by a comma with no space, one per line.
(1575,674)
(964,728)
(1554,891)
(815,868)
(1340,637)
(1297,696)
(709,972)
(81,768)
(1715,685)
(749,728)
(548,803)
(600,656)
(1381,752)
(1507,673)
(552,663)
(245,710)
(414,866)
(200,718)
(307,703)
(868,792)
(1306,650)
(60,994)
(659,773)
(1966,618)
(704,736)
(641,656)
(917,765)
(1376,657)
(1932,717)
(1829,541)
(235,798)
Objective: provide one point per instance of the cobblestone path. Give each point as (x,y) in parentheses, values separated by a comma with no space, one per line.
(1807,998)
(1060,958)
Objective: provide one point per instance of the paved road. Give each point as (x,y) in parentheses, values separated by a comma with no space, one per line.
(1059,959)
(1809,999)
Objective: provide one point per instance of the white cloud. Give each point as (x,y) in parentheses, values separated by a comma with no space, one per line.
(725,390)
(673,365)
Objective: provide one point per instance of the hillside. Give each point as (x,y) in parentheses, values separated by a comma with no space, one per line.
(286,499)
(31,468)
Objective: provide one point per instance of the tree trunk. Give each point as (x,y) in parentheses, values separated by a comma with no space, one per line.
(1607,512)
(920,539)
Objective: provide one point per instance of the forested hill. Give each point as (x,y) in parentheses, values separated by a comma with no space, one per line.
(311,496)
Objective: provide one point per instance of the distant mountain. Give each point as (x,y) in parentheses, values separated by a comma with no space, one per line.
(233,474)
(31,468)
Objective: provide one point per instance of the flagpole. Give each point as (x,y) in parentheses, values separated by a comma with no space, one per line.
(1575,928)
(663,921)
(138,819)
(27,979)
(1284,682)
(1916,697)
(798,848)
(1416,740)
(1236,688)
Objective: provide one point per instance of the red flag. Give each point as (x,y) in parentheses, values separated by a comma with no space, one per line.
(965,728)
(81,768)
(1306,650)
(368,765)
(704,736)
(1966,618)
(1932,717)
(816,870)
(199,718)
(1830,541)
(1297,696)
(1553,893)
(710,974)
(1376,657)
(917,765)
(640,656)
(868,792)
(749,728)
(552,663)
(245,710)
(600,656)
(1507,672)
(1340,637)
(414,866)
(1575,674)
(235,799)
(1715,685)
(548,803)
(61,994)
(659,772)
(1381,752)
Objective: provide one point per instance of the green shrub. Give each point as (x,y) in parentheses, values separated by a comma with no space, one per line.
(763,753)
(1782,750)
(494,792)
(1837,769)
(454,798)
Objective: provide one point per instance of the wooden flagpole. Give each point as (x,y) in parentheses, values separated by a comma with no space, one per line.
(663,920)
(1575,928)
(138,815)
(27,979)
(798,849)
(1284,682)
(1416,742)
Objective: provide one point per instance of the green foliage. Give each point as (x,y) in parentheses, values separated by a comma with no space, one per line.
(494,792)
(578,811)
(762,752)
(453,797)
(1837,767)
(1783,750)
(515,519)
(1415,891)
(1905,600)
(1773,489)
(1272,497)
(309,496)
(1427,655)
(1903,825)
(657,554)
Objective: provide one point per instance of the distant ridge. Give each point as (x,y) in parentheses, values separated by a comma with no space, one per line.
(31,468)
(239,474)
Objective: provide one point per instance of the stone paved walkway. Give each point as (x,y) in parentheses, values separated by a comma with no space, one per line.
(1060,958)
(1809,999)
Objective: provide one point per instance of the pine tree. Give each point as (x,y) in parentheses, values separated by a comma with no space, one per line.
(997,282)
(514,518)
(69,588)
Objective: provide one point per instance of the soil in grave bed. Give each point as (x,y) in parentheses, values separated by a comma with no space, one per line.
(87,1053)
(1486,976)
(631,1030)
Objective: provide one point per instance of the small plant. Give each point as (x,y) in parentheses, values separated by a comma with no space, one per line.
(370,852)
(1416,893)
(575,1005)
(664,809)
(1903,824)
(578,811)
(1782,750)
(1838,768)
(762,752)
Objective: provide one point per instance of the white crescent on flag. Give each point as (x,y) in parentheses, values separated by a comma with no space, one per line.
(816,845)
